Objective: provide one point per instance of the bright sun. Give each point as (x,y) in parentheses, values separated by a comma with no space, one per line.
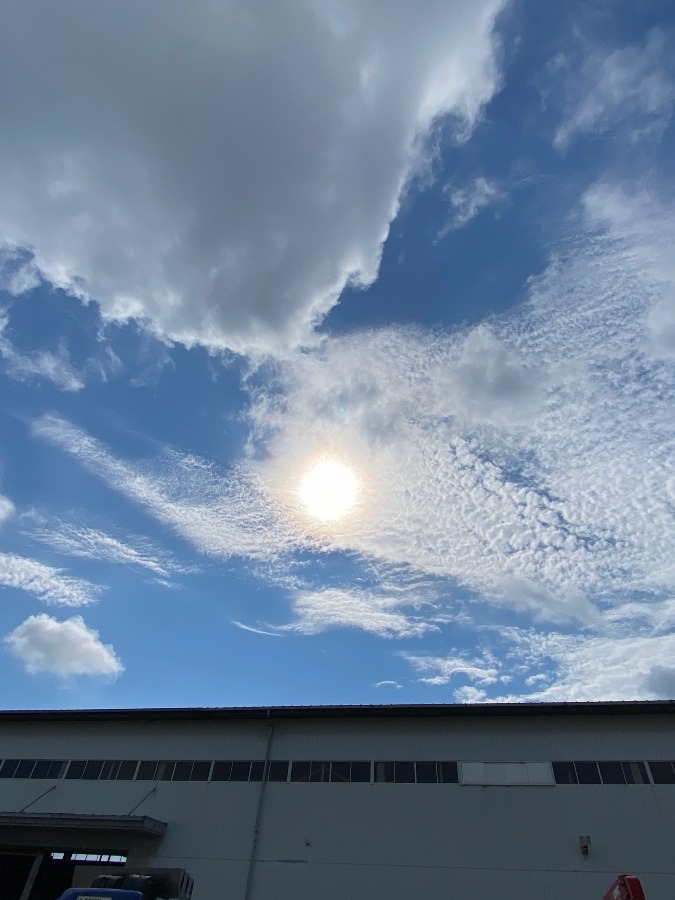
(329,490)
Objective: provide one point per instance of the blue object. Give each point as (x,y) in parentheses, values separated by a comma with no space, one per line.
(97,893)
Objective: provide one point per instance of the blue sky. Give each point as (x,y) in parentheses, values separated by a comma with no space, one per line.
(427,245)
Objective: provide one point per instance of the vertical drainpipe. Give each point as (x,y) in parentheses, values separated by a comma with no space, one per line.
(258,814)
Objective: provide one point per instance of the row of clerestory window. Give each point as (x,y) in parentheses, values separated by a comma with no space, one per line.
(397,771)
(422,772)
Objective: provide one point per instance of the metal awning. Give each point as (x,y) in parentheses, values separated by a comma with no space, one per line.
(141,825)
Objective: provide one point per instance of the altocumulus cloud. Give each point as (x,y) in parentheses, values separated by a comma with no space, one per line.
(221,171)
(528,460)
(65,648)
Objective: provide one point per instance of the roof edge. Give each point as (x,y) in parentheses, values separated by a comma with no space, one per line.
(431,710)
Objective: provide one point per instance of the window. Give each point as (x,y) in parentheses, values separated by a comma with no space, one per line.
(587,772)
(25,768)
(76,768)
(448,772)
(565,773)
(278,770)
(612,773)
(200,770)
(310,771)
(9,767)
(147,770)
(341,771)
(635,772)
(93,769)
(360,771)
(384,771)
(662,772)
(404,772)
(221,770)
(426,772)
(241,769)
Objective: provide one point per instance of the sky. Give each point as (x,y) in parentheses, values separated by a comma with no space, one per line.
(337,347)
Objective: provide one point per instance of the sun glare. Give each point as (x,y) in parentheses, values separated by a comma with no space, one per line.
(328,491)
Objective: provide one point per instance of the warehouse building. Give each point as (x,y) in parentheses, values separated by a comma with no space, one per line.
(545,801)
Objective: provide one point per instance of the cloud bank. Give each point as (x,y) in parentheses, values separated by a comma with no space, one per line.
(221,171)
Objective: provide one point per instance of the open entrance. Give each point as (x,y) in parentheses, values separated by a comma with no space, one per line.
(54,875)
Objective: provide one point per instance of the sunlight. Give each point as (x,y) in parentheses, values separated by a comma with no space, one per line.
(329,490)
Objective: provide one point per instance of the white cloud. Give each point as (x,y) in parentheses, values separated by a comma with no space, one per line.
(320,610)
(529,460)
(632,85)
(392,684)
(55,367)
(49,584)
(596,667)
(468,201)
(91,543)
(223,171)
(64,648)
(253,630)
(7,509)
(442,670)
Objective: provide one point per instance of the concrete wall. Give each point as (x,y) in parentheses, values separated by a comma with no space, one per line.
(333,841)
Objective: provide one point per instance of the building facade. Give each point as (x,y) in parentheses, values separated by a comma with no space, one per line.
(545,801)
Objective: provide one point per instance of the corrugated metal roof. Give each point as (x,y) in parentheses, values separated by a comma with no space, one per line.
(443,710)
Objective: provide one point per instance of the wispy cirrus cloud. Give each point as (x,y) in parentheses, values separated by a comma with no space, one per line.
(64,648)
(49,584)
(7,509)
(25,366)
(91,543)
(470,200)
(320,610)
(632,86)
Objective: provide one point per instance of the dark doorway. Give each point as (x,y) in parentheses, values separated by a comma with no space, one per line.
(54,877)
(14,870)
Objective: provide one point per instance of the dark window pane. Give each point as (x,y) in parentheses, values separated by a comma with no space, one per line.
(320,771)
(611,773)
(221,770)
(340,771)
(92,769)
(182,770)
(165,770)
(56,768)
(662,772)
(565,773)
(384,771)
(41,768)
(240,770)
(448,773)
(300,770)
(426,772)
(24,768)
(147,769)
(587,772)
(109,770)
(278,770)
(257,770)
(200,770)
(635,773)
(404,772)
(360,771)
(127,770)
(9,767)
(76,768)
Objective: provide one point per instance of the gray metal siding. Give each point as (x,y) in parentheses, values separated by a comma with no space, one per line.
(332,841)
